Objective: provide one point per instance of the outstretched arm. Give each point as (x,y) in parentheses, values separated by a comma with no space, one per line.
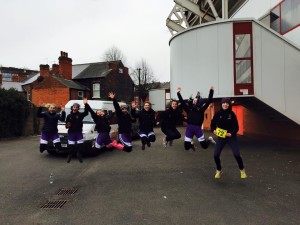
(62,114)
(39,112)
(134,113)
(86,112)
(184,106)
(209,100)
(116,104)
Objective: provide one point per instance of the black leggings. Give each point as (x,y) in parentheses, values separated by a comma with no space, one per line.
(171,133)
(232,141)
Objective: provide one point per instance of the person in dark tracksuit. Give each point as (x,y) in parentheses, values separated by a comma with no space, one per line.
(74,124)
(103,128)
(49,130)
(124,125)
(168,121)
(195,115)
(225,125)
(146,123)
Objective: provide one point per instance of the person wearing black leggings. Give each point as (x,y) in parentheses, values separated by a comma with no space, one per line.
(168,121)
(225,125)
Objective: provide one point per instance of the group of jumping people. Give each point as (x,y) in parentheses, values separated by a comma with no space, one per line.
(224,125)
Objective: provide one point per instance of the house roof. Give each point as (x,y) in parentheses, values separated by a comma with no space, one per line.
(91,70)
(31,79)
(15,85)
(70,83)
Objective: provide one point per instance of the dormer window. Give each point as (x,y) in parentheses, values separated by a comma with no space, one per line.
(121,70)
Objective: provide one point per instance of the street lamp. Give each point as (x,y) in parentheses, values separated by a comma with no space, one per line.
(139,87)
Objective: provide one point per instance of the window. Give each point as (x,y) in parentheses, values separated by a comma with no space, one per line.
(96,90)
(80,95)
(285,16)
(243,58)
(275,19)
(120,70)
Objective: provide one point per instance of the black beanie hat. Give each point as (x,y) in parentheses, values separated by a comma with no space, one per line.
(225,100)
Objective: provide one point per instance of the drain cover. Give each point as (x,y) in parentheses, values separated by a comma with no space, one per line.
(67,191)
(57,204)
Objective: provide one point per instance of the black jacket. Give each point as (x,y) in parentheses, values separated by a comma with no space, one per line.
(226,120)
(51,120)
(76,120)
(102,122)
(146,119)
(170,118)
(124,119)
(195,112)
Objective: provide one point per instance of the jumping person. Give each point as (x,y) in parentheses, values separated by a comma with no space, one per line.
(124,125)
(146,123)
(74,124)
(195,115)
(225,125)
(101,119)
(49,130)
(168,121)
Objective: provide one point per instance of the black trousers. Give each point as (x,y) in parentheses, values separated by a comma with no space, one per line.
(232,142)
(171,133)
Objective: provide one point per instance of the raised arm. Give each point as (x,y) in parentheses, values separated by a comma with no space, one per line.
(62,114)
(92,112)
(86,111)
(209,100)
(115,103)
(39,112)
(184,106)
(134,113)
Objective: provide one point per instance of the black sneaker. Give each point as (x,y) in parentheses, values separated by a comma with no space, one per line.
(143,147)
(69,158)
(79,156)
(149,144)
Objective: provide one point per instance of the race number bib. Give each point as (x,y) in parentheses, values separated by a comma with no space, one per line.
(221,133)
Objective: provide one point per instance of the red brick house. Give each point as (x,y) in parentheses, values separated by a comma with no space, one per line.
(64,82)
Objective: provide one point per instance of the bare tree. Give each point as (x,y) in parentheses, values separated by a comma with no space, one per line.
(113,54)
(144,79)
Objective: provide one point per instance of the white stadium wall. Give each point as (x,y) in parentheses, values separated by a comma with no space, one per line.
(203,56)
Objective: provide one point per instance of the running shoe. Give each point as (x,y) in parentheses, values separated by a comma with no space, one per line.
(218,174)
(165,142)
(211,140)
(243,174)
(193,146)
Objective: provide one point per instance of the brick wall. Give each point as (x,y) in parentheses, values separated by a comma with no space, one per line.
(57,96)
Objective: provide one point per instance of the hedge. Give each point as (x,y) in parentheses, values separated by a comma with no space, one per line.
(14,109)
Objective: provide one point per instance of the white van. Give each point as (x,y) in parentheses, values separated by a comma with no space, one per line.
(88,129)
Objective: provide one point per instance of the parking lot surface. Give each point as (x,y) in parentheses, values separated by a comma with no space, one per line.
(157,186)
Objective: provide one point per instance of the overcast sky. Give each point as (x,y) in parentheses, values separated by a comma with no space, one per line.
(33,32)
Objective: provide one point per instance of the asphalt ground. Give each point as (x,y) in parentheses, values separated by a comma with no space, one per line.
(157,186)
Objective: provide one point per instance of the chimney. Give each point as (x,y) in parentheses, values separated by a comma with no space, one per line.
(65,66)
(44,70)
(55,69)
